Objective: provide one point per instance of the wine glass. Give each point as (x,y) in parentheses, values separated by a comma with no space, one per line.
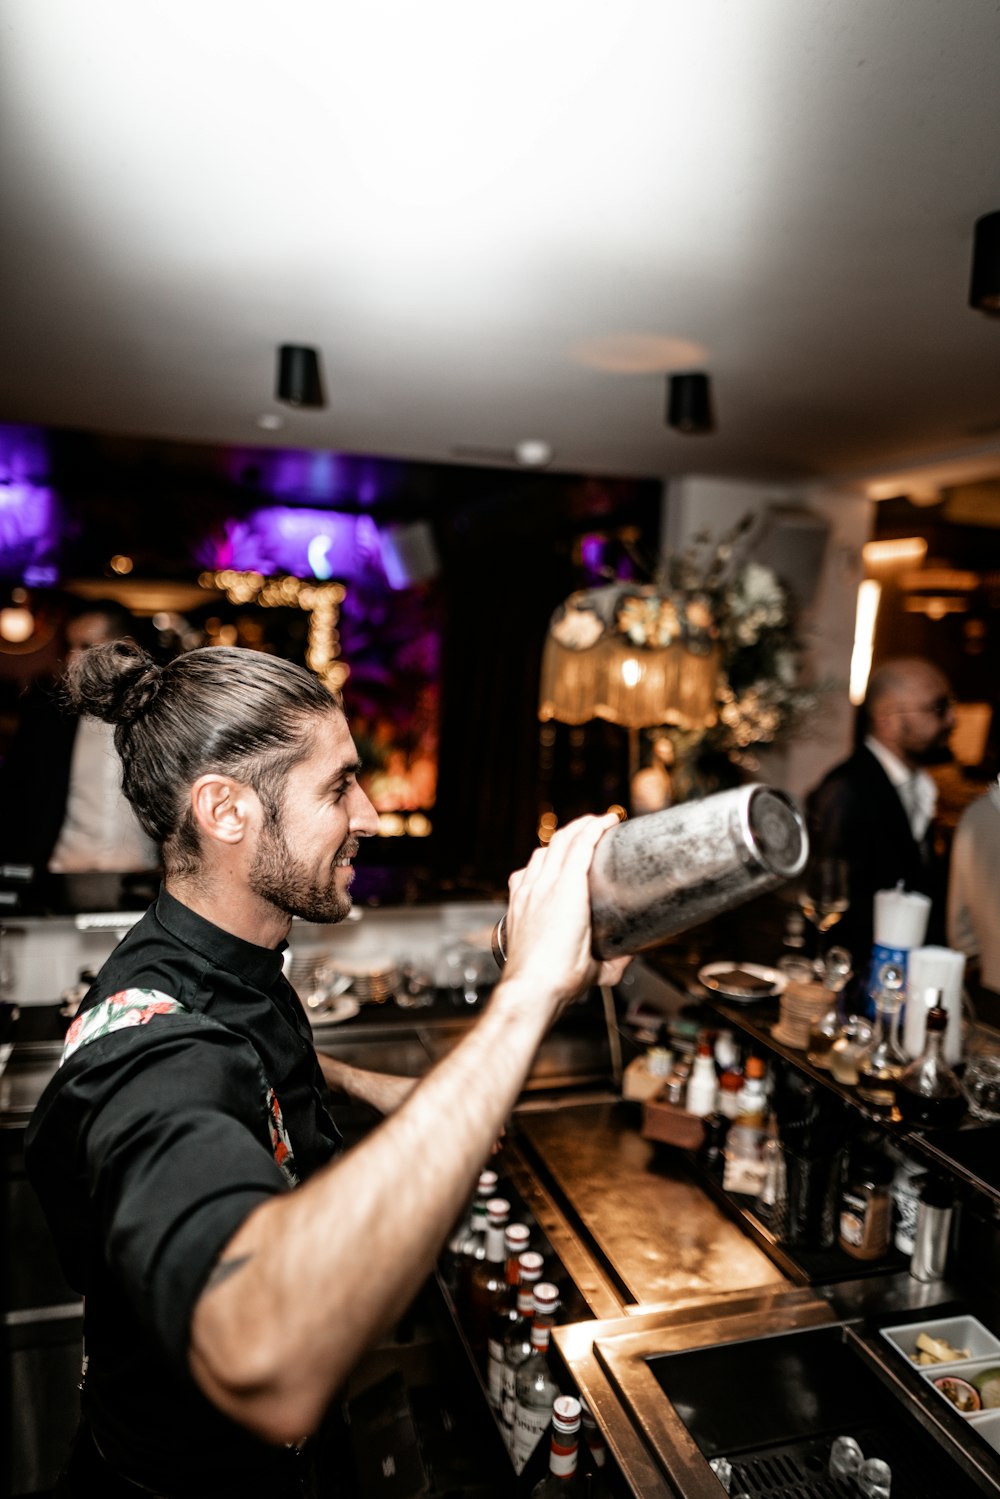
(824,897)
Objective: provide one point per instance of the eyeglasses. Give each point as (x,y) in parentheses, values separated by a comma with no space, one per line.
(940,707)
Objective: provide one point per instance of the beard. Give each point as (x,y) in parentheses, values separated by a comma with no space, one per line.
(285,883)
(938,752)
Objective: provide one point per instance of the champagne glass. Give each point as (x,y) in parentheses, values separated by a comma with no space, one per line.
(824,897)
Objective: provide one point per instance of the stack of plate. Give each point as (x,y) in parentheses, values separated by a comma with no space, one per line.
(801,1006)
(368,985)
(301,971)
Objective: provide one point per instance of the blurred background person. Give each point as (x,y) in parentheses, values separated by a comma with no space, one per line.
(876,809)
(61,803)
(974,901)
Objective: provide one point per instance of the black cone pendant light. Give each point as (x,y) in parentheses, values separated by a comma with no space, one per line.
(689,403)
(299,380)
(984,289)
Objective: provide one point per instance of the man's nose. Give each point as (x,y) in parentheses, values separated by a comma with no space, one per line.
(364,818)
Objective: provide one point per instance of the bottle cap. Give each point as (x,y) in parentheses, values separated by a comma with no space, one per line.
(546,1297)
(566,1415)
(530,1264)
(731,1081)
(754,1067)
(498,1210)
(486,1185)
(516,1237)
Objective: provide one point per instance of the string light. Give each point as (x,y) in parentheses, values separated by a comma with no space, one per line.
(321,601)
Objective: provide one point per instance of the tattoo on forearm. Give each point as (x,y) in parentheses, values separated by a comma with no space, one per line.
(225,1268)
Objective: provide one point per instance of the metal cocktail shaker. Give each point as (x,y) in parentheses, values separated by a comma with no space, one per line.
(666,872)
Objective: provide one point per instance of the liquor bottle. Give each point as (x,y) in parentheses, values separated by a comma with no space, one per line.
(517,1339)
(487,1279)
(561,1481)
(535,1389)
(593,1456)
(469,1234)
(928,1092)
(503,1312)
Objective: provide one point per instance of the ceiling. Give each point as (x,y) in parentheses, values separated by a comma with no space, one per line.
(501,224)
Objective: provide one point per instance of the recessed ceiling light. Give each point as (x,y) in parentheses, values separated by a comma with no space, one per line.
(533,452)
(270,421)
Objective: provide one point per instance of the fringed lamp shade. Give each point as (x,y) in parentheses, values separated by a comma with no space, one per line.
(632,655)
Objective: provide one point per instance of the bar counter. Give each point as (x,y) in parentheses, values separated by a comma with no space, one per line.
(678,1302)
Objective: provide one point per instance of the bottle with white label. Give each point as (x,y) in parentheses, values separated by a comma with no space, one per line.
(703,1084)
(536,1390)
(561,1481)
(517,1339)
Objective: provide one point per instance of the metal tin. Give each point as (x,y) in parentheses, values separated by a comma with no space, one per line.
(665,872)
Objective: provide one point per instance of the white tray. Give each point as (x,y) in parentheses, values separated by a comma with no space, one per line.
(960,1332)
(964,1369)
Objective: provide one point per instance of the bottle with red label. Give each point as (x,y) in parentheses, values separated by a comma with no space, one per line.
(561,1481)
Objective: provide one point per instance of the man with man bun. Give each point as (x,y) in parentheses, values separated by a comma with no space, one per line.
(233,1260)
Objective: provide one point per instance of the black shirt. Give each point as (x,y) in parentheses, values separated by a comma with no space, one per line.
(149,1148)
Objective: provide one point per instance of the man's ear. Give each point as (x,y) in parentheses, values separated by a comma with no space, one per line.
(223,808)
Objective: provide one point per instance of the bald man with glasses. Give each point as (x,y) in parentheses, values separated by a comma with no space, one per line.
(876,809)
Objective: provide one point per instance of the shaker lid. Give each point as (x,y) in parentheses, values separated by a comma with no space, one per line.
(778,831)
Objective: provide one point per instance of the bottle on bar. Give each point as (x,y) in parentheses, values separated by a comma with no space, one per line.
(487,1281)
(517,1338)
(535,1389)
(593,1456)
(928,1091)
(503,1312)
(468,1242)
(562,1479)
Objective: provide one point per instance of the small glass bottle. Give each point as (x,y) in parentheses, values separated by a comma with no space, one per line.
(535,1388)
(928,1092)
(504,1309)
(487,1280)
(468,1241)
(866,1207)
(703,1084)
(593,1456)
(837,971)
(730,1084)
(881,1062)
(751,1102)
(517,1339)
(560,1482)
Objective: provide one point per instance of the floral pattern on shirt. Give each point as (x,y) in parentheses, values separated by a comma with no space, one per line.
(132,1007)
(281,1145)
(117,1013)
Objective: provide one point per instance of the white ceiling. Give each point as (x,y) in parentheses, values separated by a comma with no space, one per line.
(501,222)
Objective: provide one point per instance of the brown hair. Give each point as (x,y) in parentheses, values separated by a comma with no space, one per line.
(236,712)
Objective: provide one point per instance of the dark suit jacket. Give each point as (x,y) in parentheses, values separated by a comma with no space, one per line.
(856,814)
(34,779)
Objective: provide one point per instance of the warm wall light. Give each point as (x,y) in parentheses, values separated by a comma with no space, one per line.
(865,616)
(17,624)
(689,403)
(984,288)
(899,549)
(299,380)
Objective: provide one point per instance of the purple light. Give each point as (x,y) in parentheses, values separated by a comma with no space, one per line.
(307,543)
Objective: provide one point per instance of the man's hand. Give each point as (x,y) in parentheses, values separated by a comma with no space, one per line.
(548,917)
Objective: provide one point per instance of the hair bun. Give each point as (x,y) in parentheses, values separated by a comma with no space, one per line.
(116,682)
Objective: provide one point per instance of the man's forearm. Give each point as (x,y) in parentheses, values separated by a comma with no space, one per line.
(383,1091)
(330,1265)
